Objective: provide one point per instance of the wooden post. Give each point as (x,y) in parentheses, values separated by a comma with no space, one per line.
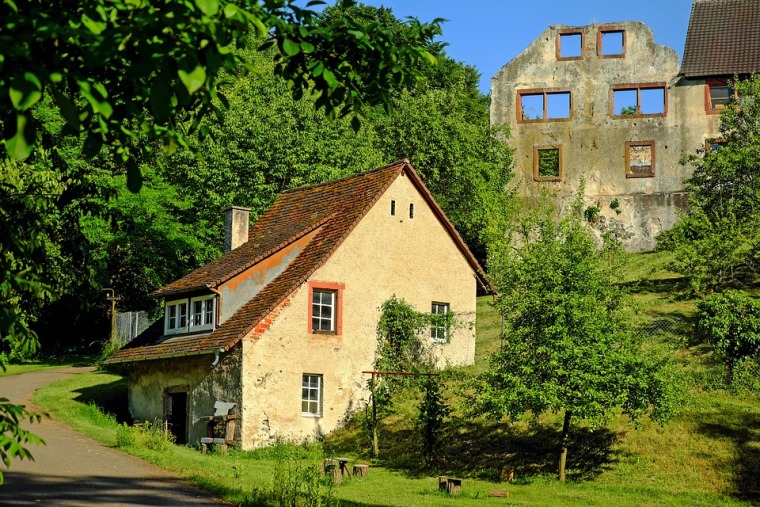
(563,445)
(375,449)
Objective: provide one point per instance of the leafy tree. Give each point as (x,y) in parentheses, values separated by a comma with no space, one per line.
(138,66)
(730,321)
(717,243)
(567,348)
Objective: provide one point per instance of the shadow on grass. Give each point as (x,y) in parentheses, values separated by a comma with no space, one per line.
(671,286)
(743,429)
(109,398)
(482,448)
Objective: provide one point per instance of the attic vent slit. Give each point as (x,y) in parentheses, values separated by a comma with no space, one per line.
(393,208)
(411,210)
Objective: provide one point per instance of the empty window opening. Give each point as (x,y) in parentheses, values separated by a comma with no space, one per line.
(547,163)
(311,395)
(611,43)
(393,207)
(542,106)
(713,145)
(640,160)
(570,46)
(638,100)
(411,210)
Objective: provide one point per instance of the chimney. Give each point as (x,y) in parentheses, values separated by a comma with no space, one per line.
(235,227)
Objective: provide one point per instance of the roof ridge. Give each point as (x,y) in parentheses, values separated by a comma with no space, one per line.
(347,177)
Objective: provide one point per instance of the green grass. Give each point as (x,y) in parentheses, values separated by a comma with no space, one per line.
(18,369)
(708,456)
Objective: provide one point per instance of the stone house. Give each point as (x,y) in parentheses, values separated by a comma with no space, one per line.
(607,104)
(283,325)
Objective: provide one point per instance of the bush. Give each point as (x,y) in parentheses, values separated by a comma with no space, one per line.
(730,321)
(146,435)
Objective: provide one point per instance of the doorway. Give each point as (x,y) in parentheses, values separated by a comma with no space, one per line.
(175,415)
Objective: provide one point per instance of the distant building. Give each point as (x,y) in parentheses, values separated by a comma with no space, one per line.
(605,103)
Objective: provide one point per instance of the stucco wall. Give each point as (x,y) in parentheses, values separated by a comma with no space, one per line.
(242,288)
(593,141)
(149,380)
(384,255)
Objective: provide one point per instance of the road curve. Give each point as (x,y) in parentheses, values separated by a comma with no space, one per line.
(73,470)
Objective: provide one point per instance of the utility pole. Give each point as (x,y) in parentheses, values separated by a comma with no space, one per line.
(113,299)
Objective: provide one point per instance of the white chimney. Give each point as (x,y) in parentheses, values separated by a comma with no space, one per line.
(235,227)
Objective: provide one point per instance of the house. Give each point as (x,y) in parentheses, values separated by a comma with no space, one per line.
(605,103)
(282,326)
(722,42)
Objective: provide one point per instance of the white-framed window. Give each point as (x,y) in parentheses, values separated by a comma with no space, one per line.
(311,395)
(323,311)
(189,315)
(439,327)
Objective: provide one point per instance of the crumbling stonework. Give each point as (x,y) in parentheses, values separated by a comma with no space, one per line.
(620,121)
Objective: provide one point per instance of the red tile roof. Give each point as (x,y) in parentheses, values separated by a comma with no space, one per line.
(333,209)
(723,38)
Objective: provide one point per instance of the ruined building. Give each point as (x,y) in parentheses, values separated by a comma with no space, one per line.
(606,104)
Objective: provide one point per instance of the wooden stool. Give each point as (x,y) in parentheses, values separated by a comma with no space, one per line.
(454,486)
(361,470)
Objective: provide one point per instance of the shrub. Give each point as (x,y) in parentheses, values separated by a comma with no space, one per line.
(146,435)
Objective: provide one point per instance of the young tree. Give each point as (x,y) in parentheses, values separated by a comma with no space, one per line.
(717,243)
(567,347)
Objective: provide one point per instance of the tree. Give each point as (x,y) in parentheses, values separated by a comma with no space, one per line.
(567,348)
(117,68)
(717,242)
(730,321)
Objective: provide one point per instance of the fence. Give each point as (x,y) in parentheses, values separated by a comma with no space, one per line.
(129,325)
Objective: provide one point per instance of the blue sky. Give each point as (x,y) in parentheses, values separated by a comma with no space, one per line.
(487,34)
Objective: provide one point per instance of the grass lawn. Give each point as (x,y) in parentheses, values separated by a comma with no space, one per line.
(17,369)
(708,456)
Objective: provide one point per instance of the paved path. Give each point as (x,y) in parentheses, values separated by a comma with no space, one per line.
(73,470)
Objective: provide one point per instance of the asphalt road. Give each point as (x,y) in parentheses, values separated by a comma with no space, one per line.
(73,470)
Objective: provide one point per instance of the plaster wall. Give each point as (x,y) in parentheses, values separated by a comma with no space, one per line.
(384,255)
(149,381)
(593,140)
(242,288)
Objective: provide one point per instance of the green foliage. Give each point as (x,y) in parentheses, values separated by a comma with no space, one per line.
(299,485)
(591,214)
(432,412)
(730,321)
(400,348)
(13,438)
(717,243)
(117,69)
(145,435)
(629,111)
(568,347)
(615,205)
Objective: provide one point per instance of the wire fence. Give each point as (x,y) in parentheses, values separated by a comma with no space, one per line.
(129,325)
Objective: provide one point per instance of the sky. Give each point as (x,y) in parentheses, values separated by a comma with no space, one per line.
(487,34)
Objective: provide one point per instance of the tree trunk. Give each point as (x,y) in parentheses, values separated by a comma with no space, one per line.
(563,446)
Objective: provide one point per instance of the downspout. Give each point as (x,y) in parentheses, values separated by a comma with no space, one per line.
(216,358)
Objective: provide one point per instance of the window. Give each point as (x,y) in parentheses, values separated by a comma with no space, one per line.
(547,163)
(325,308)
(189,315)
(569,45)
(713,145)
(639,100)
(639,159)
(717,95)
(610,43)
(439,327)
(393,208)
(543,105)
(311,395)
